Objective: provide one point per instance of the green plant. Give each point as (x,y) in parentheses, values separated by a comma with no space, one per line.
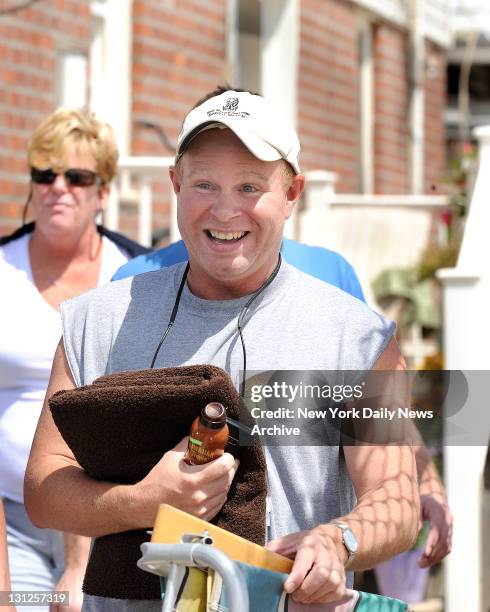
(436,257)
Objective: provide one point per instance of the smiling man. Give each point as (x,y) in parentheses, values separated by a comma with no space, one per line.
(237,179)
(231,215)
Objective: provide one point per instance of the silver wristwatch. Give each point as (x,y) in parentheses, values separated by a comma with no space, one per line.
(348,539)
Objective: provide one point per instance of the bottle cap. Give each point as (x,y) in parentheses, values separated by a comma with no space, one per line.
(213,415)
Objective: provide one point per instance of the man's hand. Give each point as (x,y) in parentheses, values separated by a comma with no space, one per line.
(318,574)
(200,490)
(76,549)
(435,510)
(70,581)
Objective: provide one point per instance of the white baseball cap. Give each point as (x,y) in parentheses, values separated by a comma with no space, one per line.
(254,120)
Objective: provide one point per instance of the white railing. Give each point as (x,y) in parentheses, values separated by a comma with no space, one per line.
(133,186)
(466,302)
(374,232)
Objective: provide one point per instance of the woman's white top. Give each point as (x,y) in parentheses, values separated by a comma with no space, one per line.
(30,330)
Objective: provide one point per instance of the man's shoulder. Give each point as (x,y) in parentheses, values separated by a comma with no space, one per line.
(117,295)
(324,299)
(316,284)
(155,260)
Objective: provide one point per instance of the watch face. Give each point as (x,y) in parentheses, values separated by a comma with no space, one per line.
(350,540)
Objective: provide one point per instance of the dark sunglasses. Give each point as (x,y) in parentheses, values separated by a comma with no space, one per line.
(74,177)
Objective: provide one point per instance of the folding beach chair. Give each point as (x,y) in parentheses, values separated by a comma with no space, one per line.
(206,569)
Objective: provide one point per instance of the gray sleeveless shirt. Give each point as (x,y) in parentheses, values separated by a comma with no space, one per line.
(298,323)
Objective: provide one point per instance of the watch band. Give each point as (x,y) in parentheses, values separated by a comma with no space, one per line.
(348,540)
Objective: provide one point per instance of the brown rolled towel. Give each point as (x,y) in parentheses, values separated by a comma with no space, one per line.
(120,426)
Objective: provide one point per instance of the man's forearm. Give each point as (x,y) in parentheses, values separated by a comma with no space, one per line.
(59,494)
(71,501)
(77,549)
(382,529)
(384,521)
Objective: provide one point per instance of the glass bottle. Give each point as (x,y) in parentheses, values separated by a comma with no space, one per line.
(208,435)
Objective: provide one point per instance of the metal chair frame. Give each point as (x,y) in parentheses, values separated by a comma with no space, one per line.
(195,550)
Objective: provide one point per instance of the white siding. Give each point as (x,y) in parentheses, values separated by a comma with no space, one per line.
(437,21)
(436,16)
(471,15)
(110,60)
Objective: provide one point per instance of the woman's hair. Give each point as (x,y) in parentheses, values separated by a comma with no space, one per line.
(69,130)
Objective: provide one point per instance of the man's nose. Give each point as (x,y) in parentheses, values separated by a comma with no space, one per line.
(225,207)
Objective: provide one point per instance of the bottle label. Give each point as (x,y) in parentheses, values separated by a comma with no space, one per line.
(198,453)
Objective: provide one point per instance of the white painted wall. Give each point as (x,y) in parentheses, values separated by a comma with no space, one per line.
(437,21)
(417,95)
(250,60)
(111,59)
(231,68)
(265,57)
(366,94)
(470,15)
(280,52)
(72,79)
(436,16)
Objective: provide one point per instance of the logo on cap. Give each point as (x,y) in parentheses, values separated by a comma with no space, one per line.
(230,109)
(231,104)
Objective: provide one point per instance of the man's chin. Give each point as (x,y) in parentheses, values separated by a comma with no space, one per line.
(226,267)
(232,274)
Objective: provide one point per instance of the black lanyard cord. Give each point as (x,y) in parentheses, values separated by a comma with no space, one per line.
(173,315)
(241,316)
(240,319)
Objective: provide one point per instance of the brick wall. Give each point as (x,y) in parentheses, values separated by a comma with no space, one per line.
(29,43)
(435,134)
(179,54)
(328,104)
(391,91)
(328,100)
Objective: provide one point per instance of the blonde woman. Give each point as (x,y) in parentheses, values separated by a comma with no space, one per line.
(72,159)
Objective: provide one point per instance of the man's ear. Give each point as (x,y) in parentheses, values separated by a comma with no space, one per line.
(174,174)
(294,192)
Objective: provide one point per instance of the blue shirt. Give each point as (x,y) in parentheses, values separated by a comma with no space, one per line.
(313,260)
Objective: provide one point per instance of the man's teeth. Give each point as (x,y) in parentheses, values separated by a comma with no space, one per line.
(227,235)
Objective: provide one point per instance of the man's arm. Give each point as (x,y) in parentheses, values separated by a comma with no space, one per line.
(77,549)
(384,520)
(59,494)
(434,509)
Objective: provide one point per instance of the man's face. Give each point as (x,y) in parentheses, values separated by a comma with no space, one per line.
(231,212)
